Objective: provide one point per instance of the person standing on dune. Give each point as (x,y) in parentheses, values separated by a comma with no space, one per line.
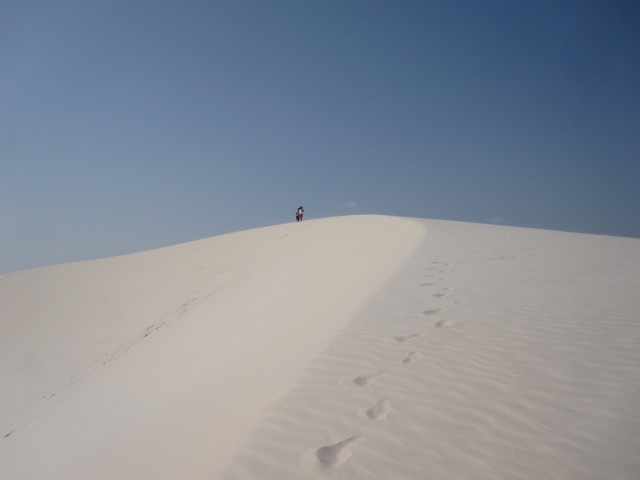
(299,213)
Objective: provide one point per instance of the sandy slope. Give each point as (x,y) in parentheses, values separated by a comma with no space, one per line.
(360,347)
(494,353)
(154,365)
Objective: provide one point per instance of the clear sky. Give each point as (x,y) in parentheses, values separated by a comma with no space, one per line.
(127,125)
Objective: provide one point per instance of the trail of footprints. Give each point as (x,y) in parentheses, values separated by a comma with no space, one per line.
(336,454)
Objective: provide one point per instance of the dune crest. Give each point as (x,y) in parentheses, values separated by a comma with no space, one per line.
(348,348)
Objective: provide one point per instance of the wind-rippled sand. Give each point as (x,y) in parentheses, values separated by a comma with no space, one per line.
(349,348)
(493,353)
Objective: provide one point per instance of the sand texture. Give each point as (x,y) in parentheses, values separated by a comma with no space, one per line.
(360,347)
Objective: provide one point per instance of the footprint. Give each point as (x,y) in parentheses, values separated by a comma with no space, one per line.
(338,453)
(439,295)
(406,338)
(448,323)
(427,284)
(412,357)
(379,411)
(431,312)
(366,381)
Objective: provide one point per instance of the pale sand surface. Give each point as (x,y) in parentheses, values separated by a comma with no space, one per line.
(350,348)
(494,353)
(155,365)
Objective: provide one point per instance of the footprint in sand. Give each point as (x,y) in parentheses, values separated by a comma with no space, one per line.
(439,295)
(427,284)
(366,381)
(379,411)
(431,312)
(406,338)
(448,323)
(338,453)
(412,357)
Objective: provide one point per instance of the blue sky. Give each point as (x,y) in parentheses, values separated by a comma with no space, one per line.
(127,125)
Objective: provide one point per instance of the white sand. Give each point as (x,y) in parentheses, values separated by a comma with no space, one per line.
(355,347)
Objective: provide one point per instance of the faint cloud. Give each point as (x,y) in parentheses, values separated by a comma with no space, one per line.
(498,219)
(350,204)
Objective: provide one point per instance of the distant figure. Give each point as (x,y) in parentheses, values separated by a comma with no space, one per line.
(299,213)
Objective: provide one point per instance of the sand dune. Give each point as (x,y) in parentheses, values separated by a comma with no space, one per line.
(493,353)
(355,347)
(154,365)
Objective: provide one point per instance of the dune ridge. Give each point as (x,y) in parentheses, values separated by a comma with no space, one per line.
(369,347)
